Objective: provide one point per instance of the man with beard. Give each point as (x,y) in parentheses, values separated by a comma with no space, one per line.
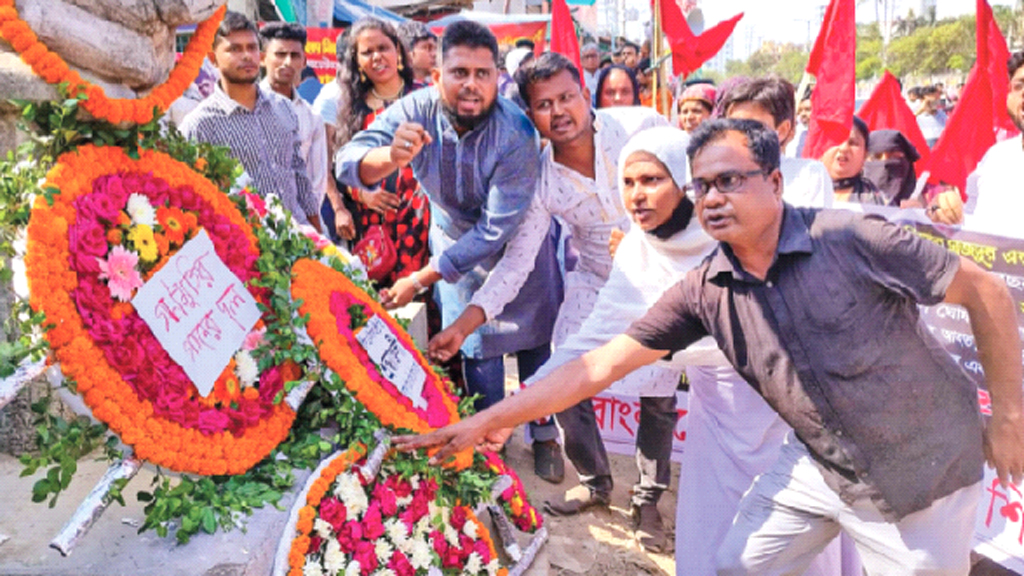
(476,156)
(578,184)
(996,178)
(259,126)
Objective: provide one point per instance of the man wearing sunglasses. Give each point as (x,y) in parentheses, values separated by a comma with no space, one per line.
(817,310)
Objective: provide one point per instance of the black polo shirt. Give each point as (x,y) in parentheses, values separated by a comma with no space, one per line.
(833,340)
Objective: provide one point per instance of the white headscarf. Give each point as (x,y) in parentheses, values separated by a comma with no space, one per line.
(644,267)
(665,143)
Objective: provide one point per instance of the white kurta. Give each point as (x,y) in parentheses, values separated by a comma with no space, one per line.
(995,186)
(591,208)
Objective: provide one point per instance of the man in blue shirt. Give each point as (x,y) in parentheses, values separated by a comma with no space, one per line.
(476,155)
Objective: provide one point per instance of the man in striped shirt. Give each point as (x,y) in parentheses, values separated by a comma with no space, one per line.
(259,127)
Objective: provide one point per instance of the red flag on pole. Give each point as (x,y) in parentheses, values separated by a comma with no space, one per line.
(832,63)
(689,52)
(971,129)
(563,34)
(886,109)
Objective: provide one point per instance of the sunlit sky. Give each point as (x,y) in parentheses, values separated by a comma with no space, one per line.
(794,20)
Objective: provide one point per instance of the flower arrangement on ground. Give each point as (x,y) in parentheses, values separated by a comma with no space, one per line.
(393,524)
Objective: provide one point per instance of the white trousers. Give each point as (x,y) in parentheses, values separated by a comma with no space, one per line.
(790,514)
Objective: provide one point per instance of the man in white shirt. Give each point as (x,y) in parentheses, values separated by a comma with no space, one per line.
(769,100)
(578,183)
(996,180)
(284,56)
(590,59)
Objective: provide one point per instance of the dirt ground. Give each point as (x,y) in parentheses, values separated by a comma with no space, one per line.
(596,542)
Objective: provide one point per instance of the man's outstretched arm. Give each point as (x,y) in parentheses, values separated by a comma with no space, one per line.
(565,387)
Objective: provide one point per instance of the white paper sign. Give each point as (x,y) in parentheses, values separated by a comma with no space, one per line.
(999,526)
(392,359)
(198,310)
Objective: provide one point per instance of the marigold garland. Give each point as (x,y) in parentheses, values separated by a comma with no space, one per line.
(51,283)
(314,284)
(54,70)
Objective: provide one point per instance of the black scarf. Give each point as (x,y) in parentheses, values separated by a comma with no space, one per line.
(677,222)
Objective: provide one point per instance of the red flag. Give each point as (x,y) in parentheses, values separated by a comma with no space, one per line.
(990,38)
(563,34)
(689,52)
(886,109)
(832,62)
(971,129)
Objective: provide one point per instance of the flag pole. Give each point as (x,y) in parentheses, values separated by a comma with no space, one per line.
(655,49)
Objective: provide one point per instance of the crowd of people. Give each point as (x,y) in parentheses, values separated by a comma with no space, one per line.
(608,233)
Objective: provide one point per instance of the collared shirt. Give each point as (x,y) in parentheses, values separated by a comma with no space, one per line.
(326,103)
(995,184)
(833,340)
(265,140)
(313,142)
(479,184)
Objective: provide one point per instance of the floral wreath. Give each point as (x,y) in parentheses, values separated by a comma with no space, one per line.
(353,525)
(513,499)
(115,222)
(54,70)
(337,309)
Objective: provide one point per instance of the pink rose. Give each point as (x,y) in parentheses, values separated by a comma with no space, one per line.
(458,518)
(350,534)
(386,498)
(400,565)
(480,547)
(88,237)
(366,556)
(212,421)
(373,525)
(254,203)
(333,511)
(437,541)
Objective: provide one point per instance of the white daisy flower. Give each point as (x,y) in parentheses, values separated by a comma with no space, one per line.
(493,567)
(312,568)
(385,572)
(470,529)
(334,559)
(396,530)
(422,555)
(383,550)
(451,535)
(404,501)
(352,494)
(322,528)
(246,368)
(140,210)
(353,569)
(474,564)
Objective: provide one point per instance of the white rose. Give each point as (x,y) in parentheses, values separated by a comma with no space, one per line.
(470,529)
(322,528)
(353,569)
(383,550)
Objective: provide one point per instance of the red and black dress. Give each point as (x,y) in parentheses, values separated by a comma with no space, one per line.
(408,226)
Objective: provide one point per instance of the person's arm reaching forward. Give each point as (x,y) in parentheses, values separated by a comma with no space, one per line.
(569,385)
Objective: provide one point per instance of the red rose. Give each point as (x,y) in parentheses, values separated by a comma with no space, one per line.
(350,535)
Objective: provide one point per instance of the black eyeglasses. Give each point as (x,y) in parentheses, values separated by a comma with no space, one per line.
(724,182)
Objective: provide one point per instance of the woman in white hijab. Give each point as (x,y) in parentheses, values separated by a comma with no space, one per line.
(731,433)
